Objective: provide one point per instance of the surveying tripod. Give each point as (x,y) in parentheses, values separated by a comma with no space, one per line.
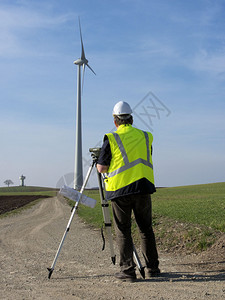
(95,152)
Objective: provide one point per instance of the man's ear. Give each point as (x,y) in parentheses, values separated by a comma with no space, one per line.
(116,124)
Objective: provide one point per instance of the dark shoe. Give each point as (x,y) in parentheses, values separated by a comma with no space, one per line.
(126,277)
(153,272)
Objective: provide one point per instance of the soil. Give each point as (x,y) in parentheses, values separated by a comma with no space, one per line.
(9,203)
(29,241)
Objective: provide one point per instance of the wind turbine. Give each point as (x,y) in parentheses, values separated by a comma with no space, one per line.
(78,168)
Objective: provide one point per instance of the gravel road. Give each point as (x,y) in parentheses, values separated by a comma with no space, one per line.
(29,241)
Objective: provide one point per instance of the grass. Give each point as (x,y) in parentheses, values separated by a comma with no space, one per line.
(198,204)
(94,215)
(188,217)
(27,190)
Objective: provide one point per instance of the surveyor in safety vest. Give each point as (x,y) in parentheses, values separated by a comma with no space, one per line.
(126,160)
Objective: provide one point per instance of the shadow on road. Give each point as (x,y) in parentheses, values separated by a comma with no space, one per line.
(170,276)
(186,276)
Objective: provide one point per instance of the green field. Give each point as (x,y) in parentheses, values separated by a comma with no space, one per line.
(197,204)
(191,217)
(94,215)
(27,190)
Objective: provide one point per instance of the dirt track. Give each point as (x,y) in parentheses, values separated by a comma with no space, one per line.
(28,243)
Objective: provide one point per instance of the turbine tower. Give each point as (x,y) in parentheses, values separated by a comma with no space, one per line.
(78,168)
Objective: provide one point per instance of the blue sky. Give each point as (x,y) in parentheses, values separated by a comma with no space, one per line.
(166,58)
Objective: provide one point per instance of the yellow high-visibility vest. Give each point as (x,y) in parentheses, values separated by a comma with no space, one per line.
(131,157)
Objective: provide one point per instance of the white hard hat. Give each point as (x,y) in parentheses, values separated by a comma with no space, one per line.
(122,110)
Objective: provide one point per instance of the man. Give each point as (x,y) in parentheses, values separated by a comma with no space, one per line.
(126,159)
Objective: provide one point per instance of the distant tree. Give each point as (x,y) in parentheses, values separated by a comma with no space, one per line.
(8,182)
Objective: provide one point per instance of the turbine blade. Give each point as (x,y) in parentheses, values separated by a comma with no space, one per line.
(83,78)
(82,46)
(91,69)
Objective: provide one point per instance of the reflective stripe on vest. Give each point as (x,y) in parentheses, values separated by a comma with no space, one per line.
(131,158)
(127,165)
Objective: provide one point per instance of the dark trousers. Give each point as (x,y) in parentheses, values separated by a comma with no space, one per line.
(141,206)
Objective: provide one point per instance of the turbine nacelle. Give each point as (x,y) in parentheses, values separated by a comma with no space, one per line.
(81,61)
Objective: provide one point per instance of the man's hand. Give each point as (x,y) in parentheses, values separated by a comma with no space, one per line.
(102,168)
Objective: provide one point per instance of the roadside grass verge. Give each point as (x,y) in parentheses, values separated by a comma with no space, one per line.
(189,218)
(92,216)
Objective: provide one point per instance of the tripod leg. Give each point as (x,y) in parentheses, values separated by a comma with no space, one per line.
(62,241)
(138,262)
(107,220)
(70,221)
